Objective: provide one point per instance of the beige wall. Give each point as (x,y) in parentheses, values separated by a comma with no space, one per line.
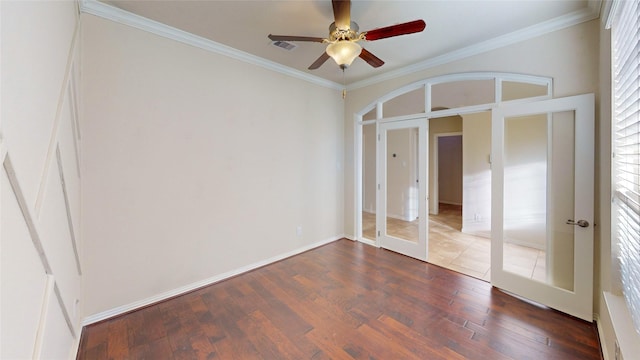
(197,165)
(569,56)
(40,195)
(476,169)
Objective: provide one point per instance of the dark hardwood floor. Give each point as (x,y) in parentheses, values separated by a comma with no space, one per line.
(340,301)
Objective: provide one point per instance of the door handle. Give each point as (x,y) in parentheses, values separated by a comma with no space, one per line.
(581,223)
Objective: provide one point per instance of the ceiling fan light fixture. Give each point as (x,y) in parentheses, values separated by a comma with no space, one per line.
(344,52)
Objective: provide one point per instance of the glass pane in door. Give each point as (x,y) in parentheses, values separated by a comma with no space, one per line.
(402,195)
(539,179)
(369,181)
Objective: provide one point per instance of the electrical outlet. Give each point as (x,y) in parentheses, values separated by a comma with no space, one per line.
(299,230)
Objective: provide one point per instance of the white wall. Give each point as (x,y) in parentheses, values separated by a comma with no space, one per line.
(40,193)
(197,165)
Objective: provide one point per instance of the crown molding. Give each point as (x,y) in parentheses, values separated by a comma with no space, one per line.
(112,13)
(97,8)
(559,23)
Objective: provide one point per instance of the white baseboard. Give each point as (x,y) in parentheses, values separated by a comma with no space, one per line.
(193,286)
(601,336)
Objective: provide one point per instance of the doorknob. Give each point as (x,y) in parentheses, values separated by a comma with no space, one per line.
(581,223)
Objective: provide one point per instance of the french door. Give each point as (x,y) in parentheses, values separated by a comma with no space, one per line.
(402,187)
(542,201)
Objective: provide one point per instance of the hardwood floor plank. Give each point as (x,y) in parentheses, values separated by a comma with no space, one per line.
(285,346)
(424,347)
(344,300)
(117,339)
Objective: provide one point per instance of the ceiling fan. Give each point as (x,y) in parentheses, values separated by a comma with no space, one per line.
(344,36)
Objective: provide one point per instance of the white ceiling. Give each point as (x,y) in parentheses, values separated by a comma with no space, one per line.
(455,28)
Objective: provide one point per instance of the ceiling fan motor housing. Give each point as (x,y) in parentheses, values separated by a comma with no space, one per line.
(351,34)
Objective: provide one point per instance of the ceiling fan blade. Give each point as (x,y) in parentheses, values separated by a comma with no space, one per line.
(396,30)
(316,64)
(342,13)
(370,58)
(294,38)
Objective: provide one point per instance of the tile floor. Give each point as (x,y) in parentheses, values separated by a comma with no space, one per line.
(464,253)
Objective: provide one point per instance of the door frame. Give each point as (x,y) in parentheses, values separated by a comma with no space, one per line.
(372,113)
(434,197)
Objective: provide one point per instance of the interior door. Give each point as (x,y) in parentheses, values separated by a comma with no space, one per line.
(542,204)
(402,192)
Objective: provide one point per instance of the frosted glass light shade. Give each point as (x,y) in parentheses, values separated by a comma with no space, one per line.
(344,52)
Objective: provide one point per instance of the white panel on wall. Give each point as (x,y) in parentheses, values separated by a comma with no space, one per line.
(57,338)
(23,281)
(57,242)
(34,59)
(67,158)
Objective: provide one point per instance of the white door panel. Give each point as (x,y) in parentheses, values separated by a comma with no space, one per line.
(542,204)
(402,194)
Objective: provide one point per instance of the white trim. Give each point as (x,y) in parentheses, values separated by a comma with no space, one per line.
(26,214)
(359,155)
(601,336)
(477,75)
(64,310)
(53,139)
(112,13)
(559,23)
(623,328)
(44,310)
(199,284)
(67,206)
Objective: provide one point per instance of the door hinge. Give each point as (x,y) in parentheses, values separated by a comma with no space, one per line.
(378,233)
(378,186)
(378,137)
